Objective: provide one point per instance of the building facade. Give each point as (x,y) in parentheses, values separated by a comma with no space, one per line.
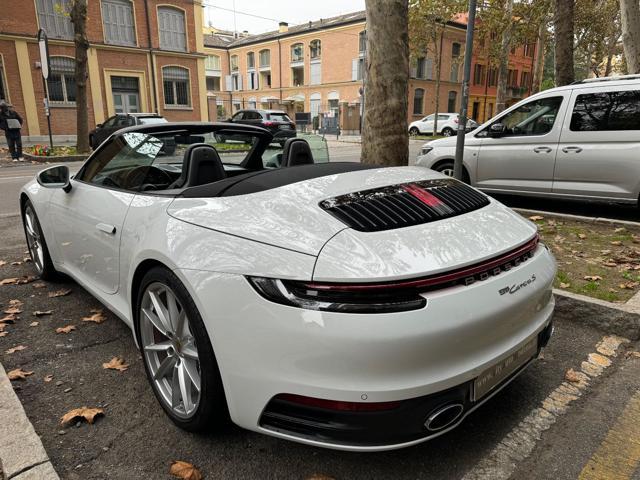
(318,68)
(144,56)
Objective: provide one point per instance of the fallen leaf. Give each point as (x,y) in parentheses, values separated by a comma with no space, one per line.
(97,317)
(15,302)
(185,471)
(16,263)
(18,374)
(610,264)
(26,259)
(34,324)
(9,281)
(116,363)
(605,252)
(3,334)
(593,278)
(628,285)
(15,349)
(66,329)
(571,376)
(13,310)
(582,236)
(535,218)
(620,230)
(11,318)
(59,293)
(617,243)
(48,378)
(39,285)
(635,239)
(632,354)
(565,285)
(17,280)
(88,414)
(41,313)
(2,263)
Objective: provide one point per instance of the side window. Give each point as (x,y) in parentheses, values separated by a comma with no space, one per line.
(533,118)
(123,163)
(443,117)
(237,117)
(110,122)
(430,118)
(606,111)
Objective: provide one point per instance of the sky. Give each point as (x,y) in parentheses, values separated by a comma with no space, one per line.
(274,11)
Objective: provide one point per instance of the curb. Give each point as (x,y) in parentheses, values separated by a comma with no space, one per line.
(526,211)
(22,456)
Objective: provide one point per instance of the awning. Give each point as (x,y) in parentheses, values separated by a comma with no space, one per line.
(269,99)
(295,98)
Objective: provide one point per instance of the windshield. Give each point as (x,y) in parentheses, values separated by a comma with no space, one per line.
(279,117)
(152,120)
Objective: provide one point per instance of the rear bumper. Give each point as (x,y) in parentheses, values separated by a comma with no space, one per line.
(284,134)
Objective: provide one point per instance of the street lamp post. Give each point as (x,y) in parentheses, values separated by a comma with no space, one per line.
(462,124)
(43,44)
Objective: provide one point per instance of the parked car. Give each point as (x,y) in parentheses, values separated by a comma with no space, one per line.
(124,120)
(276,121)
(335,304)
(447,124)
(580,141)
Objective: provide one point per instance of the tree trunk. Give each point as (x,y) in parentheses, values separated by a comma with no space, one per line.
(503,65)
(630,14)
(563,26)
(79,19)
(384,135)
(436,103)
(538,71)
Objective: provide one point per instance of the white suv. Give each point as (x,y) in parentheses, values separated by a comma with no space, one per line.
(447,124)
(577,141)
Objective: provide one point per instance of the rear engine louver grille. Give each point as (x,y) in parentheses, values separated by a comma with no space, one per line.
(404,205)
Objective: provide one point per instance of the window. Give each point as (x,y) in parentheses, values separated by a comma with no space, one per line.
(253,104)
(357,69)
(251,60)
(533,118)
(265,58)
(212,62)
(316,73)
(297,76)
(421,67)
(234,82)
(490,111)
(265,79)
(172,29)
(117,19)
(606,111)
(315,49)
(418,101)
(478,74)
(455,49)
(451,101)
(62,81)
(3,85)
(213,84)
(53,18)
(297,53)
(512,78)
(529,49)
(234,63)
(493,77)
(525,79)
(252,80)
(455,69)
(175,82)
(362,42)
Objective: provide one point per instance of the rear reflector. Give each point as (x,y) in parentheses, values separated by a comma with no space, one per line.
(337,405)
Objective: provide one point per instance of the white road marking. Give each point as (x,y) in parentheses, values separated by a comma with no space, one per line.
(518,444)
(16,178)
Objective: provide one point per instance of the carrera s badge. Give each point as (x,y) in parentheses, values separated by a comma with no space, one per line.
(517,286)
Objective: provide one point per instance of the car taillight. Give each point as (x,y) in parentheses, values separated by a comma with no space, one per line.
(456,120)
(269,124)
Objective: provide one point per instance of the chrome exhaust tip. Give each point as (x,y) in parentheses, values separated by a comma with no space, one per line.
(444,417)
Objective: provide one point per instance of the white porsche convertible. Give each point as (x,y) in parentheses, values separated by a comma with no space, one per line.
(336,304)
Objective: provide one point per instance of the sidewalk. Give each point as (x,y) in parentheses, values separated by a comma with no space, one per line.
(22,456)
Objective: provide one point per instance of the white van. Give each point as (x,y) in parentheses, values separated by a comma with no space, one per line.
(577,141)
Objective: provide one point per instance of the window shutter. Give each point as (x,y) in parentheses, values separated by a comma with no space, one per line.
(172,29)
(117,18)
(228,83)
(52,21)
(354,69)
(240,82)
(316,73)
(429,73)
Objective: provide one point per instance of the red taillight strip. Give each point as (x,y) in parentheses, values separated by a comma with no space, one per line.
(336,404)
(430,281)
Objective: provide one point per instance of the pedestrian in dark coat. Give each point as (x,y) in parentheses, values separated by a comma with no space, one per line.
(11,123)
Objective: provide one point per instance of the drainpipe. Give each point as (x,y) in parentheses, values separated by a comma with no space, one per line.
(280,69)
(230,91)
(153,70)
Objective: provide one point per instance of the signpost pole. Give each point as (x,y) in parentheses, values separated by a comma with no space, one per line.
(462,124)
(44,65)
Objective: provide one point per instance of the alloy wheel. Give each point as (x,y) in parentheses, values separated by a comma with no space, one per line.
(448,171)
(170,350)
(34,238)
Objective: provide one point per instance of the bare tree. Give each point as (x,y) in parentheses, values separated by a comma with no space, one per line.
(538,70)
(503,63)
(78,14)
(630,13)
(563,25)
(384,134)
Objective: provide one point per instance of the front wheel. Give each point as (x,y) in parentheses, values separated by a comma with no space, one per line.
(413,131)
(447,132)
(36,243)
(178,356)
(447,169)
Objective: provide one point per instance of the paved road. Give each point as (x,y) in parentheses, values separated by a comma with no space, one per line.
(537,428)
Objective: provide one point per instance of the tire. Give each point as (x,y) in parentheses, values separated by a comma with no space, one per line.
(447,132)
(36,243)
(413,131)
(208,410)
(447,169)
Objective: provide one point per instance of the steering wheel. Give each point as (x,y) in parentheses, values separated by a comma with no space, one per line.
(138,175)
(108,181)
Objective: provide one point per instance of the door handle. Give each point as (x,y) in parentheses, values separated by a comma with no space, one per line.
(571,149)
(106,228)
(542,149)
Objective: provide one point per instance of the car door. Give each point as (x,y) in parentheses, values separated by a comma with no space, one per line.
(426,124)
(108,127)
(522,157)
(87,221)
(599,144)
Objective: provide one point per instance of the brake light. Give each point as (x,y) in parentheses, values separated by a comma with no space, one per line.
(269,124)
(456,120)
(337,405)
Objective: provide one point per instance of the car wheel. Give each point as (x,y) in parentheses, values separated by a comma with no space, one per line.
(447,132)
(447,169)
(36,243)
(413,131)
(178,356)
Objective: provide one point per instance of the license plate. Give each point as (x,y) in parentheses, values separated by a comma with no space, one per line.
(285,127)
(495,374)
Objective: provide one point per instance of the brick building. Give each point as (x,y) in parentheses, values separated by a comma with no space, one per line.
(144,56)
(317,67)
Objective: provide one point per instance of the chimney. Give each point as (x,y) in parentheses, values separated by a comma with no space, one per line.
(283,27)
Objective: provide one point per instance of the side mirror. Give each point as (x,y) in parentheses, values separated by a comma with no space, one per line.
(99,125)
(55,177)
(497,130)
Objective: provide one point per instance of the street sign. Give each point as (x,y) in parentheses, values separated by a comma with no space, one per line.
(44,53)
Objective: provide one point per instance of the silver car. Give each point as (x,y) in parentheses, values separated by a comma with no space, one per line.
(577,141)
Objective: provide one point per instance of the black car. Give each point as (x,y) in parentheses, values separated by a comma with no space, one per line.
(276,121)
(124,120)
